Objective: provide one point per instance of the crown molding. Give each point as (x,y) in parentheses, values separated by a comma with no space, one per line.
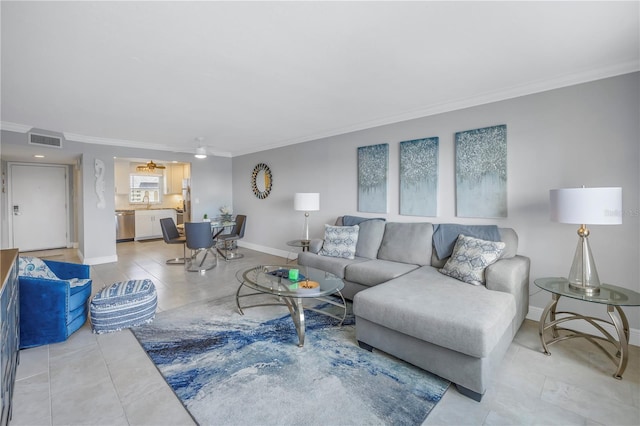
(136,144)
(116,142)
(530,88)
(454,105)
(15,127)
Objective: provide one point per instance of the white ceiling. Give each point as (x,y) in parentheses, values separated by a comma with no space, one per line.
(249,76)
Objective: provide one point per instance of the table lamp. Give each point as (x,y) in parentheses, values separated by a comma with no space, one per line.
(594,206)
(306,202)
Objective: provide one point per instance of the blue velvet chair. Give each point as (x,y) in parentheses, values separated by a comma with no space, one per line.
(52,309)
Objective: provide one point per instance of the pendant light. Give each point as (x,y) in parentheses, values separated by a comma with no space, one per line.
(201,152)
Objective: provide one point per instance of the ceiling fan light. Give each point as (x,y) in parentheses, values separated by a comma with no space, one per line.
(201,152)
(150,167)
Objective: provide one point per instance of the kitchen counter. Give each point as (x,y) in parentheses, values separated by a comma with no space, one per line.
(151,208)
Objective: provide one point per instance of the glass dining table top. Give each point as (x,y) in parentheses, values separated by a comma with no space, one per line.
(222,223)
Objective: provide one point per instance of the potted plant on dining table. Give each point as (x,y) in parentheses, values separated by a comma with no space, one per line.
(226,213)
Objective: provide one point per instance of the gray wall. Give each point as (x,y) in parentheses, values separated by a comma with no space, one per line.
(586,134)
(211,186)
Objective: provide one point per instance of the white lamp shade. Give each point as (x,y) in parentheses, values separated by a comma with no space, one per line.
(594,206)
(306,201)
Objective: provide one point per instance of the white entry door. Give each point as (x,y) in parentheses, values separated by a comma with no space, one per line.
(38,206)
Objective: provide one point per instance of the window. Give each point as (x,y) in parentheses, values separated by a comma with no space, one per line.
(145,188)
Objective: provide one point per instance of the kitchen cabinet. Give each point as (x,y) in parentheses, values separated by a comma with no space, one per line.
(10,326)
(122,182)
(148,222)
(173,175)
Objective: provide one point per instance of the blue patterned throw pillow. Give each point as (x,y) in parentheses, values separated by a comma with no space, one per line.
(470,257)
(340,241)
(34,267)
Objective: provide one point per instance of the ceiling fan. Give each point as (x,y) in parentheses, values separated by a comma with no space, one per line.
(150,166)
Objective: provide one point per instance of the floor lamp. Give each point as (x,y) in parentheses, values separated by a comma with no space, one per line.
(306,202)
(593,206)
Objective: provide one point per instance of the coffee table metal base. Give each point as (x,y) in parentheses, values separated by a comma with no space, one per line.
(296,308)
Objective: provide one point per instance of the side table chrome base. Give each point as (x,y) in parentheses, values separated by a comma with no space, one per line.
(618,321)
(296,308)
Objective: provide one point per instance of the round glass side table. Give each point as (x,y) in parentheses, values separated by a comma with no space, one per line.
(304,244)
(613,296)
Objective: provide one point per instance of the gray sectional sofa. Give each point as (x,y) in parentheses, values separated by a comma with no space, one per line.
(405,307)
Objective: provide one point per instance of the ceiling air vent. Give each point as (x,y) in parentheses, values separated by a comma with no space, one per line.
(44,140)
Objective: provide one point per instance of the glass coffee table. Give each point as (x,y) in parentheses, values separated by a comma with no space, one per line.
(312,284)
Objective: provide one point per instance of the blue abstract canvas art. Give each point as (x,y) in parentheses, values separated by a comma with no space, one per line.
(419,177)
(373,165)
(481,172)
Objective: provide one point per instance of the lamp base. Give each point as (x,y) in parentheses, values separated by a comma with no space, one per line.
(587,291)
(583,276)
(305,232)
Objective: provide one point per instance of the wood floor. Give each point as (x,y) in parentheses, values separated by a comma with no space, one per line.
(109,380)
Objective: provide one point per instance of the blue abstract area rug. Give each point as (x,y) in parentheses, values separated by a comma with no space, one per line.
(232,369)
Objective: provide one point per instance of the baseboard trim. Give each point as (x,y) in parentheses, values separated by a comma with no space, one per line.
(269,250)
(97,260)
(634,334)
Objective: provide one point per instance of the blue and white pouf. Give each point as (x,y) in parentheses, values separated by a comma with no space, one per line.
(122,305)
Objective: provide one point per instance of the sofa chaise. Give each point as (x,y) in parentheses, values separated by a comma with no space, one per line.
(407,307)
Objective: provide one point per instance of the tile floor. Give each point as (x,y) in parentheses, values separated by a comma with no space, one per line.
(108,379)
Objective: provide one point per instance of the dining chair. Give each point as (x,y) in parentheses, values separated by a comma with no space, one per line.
(228,240)
(171,235)
(199,240)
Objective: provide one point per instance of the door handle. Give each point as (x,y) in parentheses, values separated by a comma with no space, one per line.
(16,210)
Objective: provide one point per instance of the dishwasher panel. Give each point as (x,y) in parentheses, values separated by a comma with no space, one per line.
(125,225)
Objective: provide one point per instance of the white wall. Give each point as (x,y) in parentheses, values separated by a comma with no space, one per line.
(586,134)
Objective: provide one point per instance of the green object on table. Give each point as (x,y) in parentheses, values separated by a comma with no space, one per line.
(293,274)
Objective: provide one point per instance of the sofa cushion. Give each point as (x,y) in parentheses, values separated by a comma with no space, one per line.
(507,235)
(407,243)
(334,265)
(340,241)
(355,220)
(78,282)
(438,309)
(376,271)
(470,257)
(445,236)
(369,238)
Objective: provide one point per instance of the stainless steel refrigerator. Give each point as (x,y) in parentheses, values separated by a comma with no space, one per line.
(186,199)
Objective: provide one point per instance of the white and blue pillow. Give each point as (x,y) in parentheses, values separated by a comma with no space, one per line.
(35,267)
(470,258)
(340,241)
